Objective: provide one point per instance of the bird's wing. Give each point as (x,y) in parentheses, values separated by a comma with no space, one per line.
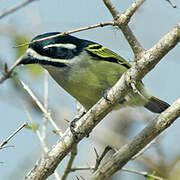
(106,54)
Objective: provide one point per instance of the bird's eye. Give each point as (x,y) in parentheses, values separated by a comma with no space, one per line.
(58,52)
(63,49)
(49,51)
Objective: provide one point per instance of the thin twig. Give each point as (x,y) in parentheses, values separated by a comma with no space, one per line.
(171,3)
(111,8)
(80,109)
(133,86)
(99,159)
(46,114)
(76,30)
(9,72)
(15,8)
(133,8)
(144,149)
(145,174)
(70,163)
(80,177)
(13,134)
(81,168)
(44,122)
(96,153)
(69,32)
(122,20)
(137,48)
(42,142)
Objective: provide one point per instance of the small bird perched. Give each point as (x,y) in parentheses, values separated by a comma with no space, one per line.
(86,69)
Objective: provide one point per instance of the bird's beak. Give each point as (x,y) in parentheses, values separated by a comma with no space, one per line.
(25,59)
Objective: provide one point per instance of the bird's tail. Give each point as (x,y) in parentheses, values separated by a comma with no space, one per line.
(156,105)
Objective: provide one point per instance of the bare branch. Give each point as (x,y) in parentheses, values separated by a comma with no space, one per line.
(171,3)
(77,30)
(138,50)
(122,20)
(111,8)
(121,157)
(46,114)
(43,144)
(9,72)
(145,174)
(44,122)
(15,8)
(131,10)
(99,159)
(12,135)
(41,139)
(81,168)
(70,163)
(70,32)
(144,149)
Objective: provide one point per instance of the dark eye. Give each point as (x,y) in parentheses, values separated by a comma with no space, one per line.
(64,53)
(59,52)
(64,49)
(49,51)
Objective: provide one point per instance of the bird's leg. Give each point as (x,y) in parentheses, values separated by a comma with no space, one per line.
(73,125)
(105,93)
(122,101)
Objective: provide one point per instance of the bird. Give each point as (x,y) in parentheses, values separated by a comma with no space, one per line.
(86,70)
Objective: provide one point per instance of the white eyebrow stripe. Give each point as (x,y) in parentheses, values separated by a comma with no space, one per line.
(68,46)
(34,54)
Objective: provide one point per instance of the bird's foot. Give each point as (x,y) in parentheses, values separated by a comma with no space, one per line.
(105,94)
(122,101)
(73,125)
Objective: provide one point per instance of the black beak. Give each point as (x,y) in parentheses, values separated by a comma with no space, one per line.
(25,59)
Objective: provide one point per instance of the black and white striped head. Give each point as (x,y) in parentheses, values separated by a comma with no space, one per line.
(55,51)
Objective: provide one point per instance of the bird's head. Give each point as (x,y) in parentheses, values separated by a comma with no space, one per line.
(55,51)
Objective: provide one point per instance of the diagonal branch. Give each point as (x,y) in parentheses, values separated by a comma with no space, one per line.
(145,174)
(12,135)
(99,159)
(46,165)
(122,20)
(120,158)
(43,109)
(15,8)
(9,72)
(111,8)
(171,3)
(138,50)
(102,24)
(70,163)
(41,139)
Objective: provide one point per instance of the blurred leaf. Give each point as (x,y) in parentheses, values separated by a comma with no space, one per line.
(34,127)
(19,40)
(150,177)
(175,170)
(34,70)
